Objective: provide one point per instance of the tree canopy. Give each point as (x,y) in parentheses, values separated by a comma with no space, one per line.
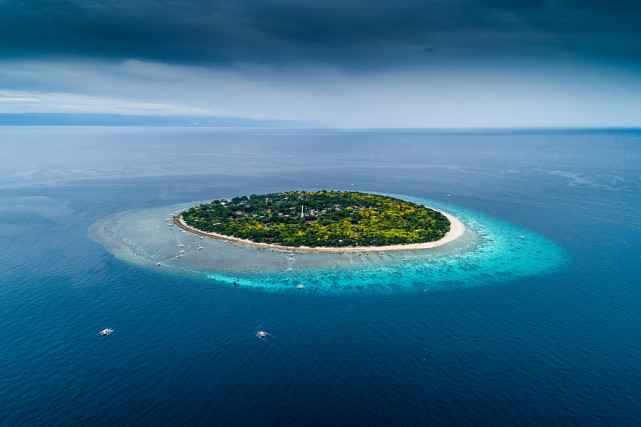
(322,218)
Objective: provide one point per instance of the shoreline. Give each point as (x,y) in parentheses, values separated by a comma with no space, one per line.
(456,230)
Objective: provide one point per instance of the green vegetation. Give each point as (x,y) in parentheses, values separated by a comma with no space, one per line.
(323,218)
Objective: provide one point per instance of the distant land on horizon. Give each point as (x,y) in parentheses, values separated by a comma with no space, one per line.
(62,119)
(129,120)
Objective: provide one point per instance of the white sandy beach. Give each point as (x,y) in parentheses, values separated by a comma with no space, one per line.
(456,230)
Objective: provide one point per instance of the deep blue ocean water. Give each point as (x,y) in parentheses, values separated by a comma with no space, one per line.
(562,346)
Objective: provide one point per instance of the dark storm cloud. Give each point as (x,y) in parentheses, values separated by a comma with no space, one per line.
(332,31)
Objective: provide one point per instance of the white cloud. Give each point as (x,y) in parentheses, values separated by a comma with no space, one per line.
(20,101)
(580,95)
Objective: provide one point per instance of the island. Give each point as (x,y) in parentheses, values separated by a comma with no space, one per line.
(337,221)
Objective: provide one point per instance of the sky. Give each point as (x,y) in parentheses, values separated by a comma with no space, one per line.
(330,63)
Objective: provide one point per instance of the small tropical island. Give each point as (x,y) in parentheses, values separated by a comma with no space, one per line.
(330,220)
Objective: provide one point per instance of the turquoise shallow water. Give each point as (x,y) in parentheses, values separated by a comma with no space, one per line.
(489,251)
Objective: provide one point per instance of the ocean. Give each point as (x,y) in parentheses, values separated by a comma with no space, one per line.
(548,332)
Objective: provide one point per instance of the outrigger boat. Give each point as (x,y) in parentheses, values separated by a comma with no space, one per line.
(106,331)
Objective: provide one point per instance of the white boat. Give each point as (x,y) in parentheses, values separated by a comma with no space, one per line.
(300,287)
(158,264)
(261,334)
(106,331)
